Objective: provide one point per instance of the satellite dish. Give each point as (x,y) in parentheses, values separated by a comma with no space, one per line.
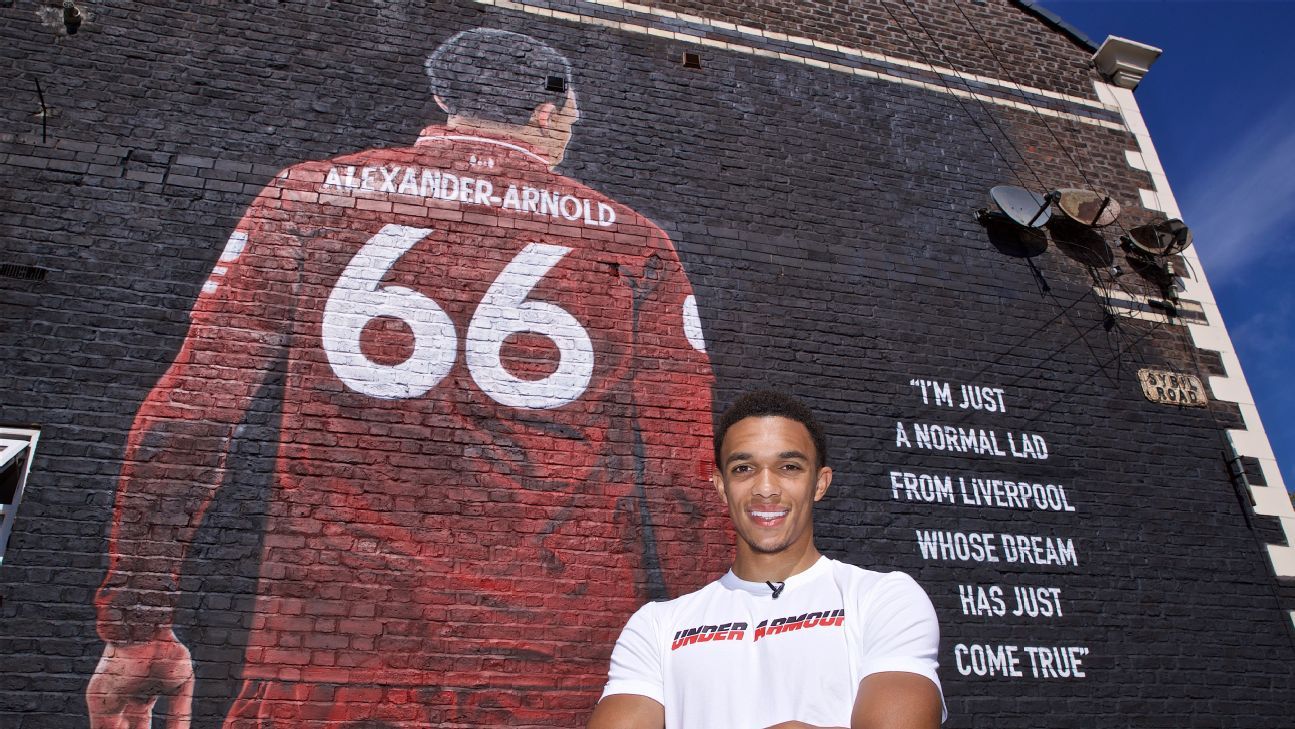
(1026,208)
(1088,207)
(1159,239)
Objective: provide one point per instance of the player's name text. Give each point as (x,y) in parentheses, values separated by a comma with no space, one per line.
(986,547)
(935,488)
(1030,601)
(969,397)
(973,440)
(1005,661)
(436,184)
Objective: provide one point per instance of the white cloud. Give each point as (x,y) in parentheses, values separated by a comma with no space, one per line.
(1243,206)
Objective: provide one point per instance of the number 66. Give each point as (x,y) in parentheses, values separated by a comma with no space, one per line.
(358,297)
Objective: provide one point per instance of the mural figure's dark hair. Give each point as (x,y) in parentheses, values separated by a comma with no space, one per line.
(768,403)
(496,75)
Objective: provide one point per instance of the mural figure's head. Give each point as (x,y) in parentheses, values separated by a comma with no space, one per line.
(770,468)
(505,82)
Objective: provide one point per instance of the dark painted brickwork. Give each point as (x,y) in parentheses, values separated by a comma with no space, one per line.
(826,226)
(994,38)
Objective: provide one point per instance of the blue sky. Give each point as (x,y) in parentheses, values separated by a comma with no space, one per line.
(1220,104)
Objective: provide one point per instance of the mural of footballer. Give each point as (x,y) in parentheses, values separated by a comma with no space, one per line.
(495,399)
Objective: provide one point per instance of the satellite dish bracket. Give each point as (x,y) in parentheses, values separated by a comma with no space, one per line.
(1106,201)
(1024,208)
(1048,199)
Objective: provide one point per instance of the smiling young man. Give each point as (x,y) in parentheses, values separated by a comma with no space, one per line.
(788,639)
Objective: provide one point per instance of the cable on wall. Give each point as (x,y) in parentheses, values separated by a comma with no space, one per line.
(1033,173)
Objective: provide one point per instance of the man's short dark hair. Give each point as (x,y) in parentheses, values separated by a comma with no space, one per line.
(497,75)
(766,404)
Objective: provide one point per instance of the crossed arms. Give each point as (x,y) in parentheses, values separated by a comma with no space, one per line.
(886,700)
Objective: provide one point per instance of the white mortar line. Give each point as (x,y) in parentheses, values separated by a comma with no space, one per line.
(815,62)
(847,50)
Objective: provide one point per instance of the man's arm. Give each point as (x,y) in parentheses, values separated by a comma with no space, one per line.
(897,700)
(174,461)
(888,700)
(899,640)
(672,397)
(627,711)
(635,693)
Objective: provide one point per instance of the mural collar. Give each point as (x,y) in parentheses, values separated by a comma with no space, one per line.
(438,133)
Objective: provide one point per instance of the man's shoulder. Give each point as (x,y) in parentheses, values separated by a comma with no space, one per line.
(847,570)
(682,604)
(371,157)
(360,158)
(862,582)
(350,166)
(690,599)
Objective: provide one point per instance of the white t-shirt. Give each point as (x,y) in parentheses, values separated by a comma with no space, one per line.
(731,656)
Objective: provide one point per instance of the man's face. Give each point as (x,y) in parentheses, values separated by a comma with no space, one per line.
(768,477)
(560,124)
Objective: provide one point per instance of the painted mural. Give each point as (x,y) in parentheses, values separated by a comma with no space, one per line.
(496,387)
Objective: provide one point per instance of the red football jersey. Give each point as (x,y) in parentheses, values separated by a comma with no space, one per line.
(496,423)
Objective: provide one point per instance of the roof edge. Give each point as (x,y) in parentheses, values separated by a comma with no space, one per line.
(1055,22)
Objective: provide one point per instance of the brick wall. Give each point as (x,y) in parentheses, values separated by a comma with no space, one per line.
(475,556)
